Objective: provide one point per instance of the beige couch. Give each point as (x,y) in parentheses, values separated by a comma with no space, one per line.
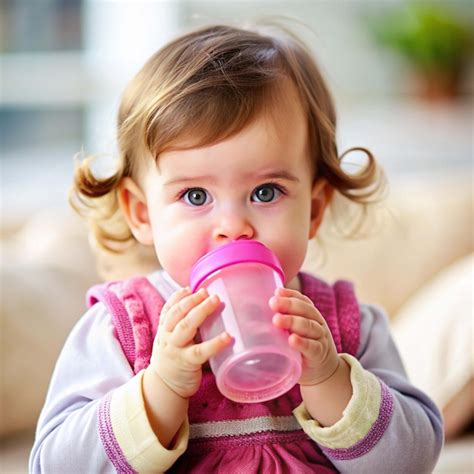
(424,226)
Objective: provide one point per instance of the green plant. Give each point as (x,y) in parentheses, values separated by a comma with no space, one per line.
(431,37)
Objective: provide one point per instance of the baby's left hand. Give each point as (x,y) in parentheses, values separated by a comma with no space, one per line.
(310,334)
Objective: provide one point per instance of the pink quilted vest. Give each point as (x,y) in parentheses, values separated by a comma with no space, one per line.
(135,307)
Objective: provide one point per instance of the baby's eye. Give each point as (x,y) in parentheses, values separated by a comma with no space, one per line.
(195,196)
(266,193)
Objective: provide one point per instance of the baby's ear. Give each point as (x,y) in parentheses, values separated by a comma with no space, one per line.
(321,196)
(134,207)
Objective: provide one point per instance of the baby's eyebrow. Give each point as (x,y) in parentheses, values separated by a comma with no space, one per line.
(189,179)
(280,174)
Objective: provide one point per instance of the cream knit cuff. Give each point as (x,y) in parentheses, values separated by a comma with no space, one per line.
(358,417)
(134,433)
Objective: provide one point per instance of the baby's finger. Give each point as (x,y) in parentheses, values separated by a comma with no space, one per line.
(302,326)
(201,353)
(309,348)
(295,306)
(187,327)
(173,299)
(180,309)
(292,293)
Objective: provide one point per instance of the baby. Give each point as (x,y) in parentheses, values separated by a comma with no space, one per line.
(227,134)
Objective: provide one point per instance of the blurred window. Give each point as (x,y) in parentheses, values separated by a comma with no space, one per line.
(42,107)
(40,25)
(31,127)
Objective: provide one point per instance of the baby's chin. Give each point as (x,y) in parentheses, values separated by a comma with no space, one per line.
(181,280)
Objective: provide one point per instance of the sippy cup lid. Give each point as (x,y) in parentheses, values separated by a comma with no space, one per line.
(237,251)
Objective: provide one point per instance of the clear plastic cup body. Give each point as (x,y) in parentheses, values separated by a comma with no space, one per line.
(260,364)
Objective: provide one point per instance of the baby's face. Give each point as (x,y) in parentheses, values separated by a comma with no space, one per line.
(254,185)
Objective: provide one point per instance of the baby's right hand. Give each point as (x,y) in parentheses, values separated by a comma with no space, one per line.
(176,359)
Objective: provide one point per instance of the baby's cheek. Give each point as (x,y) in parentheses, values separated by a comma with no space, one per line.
(175,263)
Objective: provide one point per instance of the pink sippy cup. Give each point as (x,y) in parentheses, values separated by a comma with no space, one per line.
(260,365)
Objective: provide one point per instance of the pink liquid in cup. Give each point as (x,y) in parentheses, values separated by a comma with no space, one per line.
(260,365)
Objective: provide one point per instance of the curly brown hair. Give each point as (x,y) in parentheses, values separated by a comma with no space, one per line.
(207,85)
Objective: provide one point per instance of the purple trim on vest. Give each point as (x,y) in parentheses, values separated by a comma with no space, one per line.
(321,295)
(120,318)
(339,307)
(135,306)
(153,302)
(107,437)
(373,436)
(141,337)
(348,316)
(143,304)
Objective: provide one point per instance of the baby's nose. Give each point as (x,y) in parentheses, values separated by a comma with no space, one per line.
(232,227)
